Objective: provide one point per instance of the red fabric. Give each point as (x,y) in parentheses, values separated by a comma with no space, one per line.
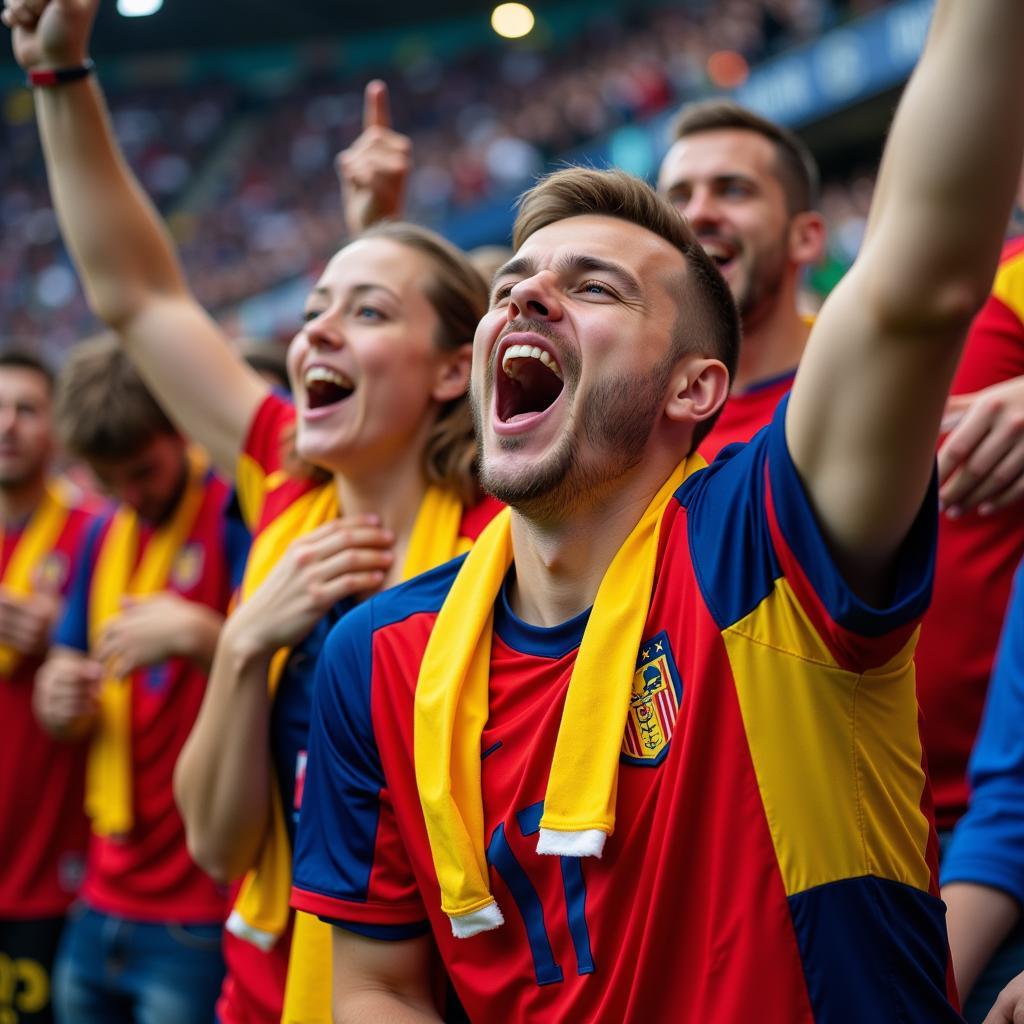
(745,413)
(976,559)
(149,875)
(42,824)
(253,991)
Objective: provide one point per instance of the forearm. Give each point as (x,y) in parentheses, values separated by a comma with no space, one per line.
(978,918)
(117,240)
(223,777)
(952,163)
(132,278)
(200,640)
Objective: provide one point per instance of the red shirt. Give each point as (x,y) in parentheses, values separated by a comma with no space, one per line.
(149,875)
(745,413)
(42,824)
(976,560)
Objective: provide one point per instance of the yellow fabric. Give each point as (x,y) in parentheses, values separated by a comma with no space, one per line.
(260,914)
(451,704)
(835,809)
(41,533)
(108,795)
(1008,286)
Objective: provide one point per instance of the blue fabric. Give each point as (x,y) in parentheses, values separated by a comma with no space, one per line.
(911,586)
(542,641)
(110,970)
(289,717)
(870,949)
(349,786)
(988,844)
(73,629)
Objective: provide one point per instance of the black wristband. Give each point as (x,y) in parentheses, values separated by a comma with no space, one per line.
(47,78)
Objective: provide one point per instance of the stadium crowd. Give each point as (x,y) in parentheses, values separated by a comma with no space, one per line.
(611,553)
(266,163)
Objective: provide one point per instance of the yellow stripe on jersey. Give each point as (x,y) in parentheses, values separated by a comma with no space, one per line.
(1008,286)
(836,754)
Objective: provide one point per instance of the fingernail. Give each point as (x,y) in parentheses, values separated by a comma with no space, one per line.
(954,512)
(986,509)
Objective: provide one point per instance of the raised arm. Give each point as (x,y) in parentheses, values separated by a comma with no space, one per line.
(121,248)
(374,170)
(866,407)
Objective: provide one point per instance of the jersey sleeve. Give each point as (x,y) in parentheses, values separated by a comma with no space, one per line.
(754,535)
(262,455)
(351,867)
(73,628)
(988,844)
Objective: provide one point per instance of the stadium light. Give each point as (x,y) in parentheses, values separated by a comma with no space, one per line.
(513,21)
(138,8)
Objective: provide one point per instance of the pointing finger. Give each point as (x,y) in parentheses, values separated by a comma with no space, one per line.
(376,105)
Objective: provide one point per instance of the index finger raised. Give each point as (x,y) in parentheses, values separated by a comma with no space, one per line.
(376,105)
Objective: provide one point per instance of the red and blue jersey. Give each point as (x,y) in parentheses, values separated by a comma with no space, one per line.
(773,837)
(41,815)
(149,875)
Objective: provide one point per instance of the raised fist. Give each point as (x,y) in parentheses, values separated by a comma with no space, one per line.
(50,33)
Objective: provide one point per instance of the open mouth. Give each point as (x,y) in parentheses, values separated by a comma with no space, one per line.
(530,381)
(325,386)
(722,253)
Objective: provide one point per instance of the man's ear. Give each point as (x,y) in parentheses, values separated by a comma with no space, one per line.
(700,387)
(451,379)
(807,237)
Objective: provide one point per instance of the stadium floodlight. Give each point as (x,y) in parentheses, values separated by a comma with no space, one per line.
(138,8)
(513,21)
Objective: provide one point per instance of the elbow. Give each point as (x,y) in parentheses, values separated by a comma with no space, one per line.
(214,860)
(939,308)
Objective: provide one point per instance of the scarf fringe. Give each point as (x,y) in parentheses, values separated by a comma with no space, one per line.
(241,929)
(588,842)
(486,919)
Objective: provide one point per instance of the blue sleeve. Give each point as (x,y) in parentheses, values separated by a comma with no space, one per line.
(751,523)
(350,865)
(988,844)
(73,630)
(237,540)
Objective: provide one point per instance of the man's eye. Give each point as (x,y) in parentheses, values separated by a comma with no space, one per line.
(501,293)
(310,314)
(595,288)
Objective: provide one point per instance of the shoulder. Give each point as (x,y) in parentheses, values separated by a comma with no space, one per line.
(351,640)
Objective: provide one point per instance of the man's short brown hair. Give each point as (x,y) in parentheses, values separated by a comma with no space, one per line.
(796,168)
(708,321)
(103,410)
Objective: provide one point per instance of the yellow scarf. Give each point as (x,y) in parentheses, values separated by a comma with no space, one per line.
(41,533)
(260,914)
(451,710)
(108,792)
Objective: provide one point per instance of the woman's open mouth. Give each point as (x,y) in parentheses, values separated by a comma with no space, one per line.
(530,380)
(326,386)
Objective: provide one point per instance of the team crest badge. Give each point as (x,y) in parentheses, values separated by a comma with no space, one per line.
(188,567)
(653,704)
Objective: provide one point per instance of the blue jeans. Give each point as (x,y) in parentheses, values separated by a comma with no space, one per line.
(111,970)
(1006,963)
